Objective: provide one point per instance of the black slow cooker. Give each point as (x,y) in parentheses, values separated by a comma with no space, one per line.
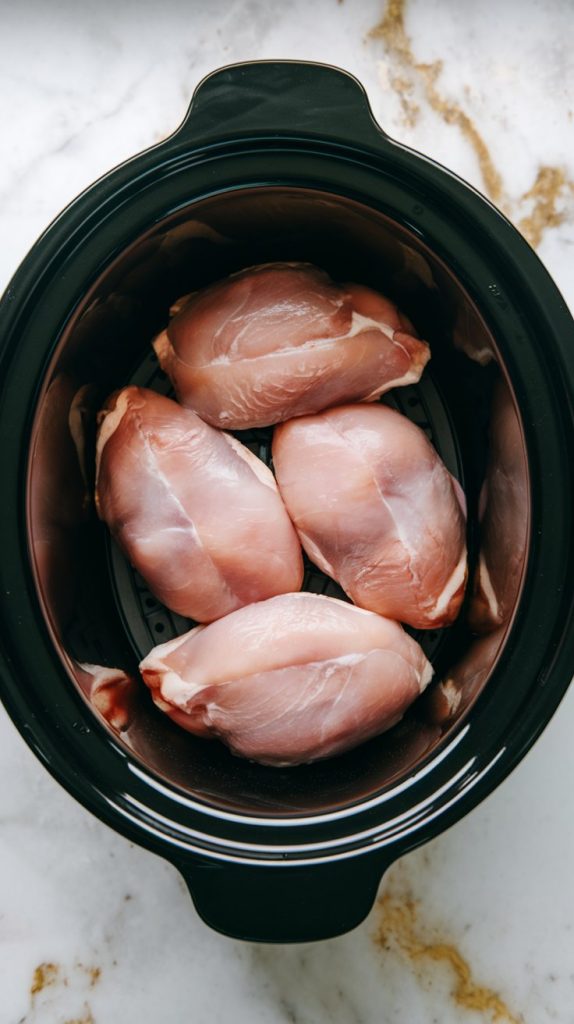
(283,160)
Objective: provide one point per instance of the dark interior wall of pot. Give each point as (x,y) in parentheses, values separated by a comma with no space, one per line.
(101,613)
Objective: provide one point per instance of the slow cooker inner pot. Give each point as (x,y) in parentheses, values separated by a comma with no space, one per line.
(100,613)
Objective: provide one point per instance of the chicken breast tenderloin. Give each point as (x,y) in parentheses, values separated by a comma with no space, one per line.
(376,509)
(282,340)
(197,514)
(289,680)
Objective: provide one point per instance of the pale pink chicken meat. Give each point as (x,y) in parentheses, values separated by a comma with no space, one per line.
(282,340)
(290,680)
(197,514)
(377,510)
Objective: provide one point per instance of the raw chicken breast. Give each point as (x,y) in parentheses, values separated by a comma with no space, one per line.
(376,509)
(282,340)
(504,505)
(289,680)
(196,513)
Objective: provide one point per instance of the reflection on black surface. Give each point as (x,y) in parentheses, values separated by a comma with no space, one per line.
(57,502)
(471,337)
(111,691)
(454,694)
(503,527)
(503,515)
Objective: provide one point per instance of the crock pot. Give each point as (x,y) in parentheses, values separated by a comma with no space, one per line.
(283,160)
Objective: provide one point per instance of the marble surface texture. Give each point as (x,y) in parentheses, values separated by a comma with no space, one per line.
(94,930)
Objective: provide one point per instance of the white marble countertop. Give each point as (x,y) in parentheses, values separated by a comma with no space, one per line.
(93,929)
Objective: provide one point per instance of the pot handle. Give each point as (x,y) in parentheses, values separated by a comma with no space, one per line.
(281,97)
(280,903)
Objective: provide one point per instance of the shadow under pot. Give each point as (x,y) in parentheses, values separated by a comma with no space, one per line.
(283,161)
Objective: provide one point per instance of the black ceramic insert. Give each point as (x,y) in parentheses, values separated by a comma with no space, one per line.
(277,160)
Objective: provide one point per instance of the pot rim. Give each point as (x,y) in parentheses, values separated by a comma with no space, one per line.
(519,302)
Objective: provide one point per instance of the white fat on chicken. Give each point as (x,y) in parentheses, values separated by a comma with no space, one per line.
(197,514)
(289,680)
(282,340)
(376,509)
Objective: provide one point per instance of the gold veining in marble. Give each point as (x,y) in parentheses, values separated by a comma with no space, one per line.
(404,90)
(551,183)
(391,29)
(51,975)
(452,113)
(93,973)
(45,974)
(401,929)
